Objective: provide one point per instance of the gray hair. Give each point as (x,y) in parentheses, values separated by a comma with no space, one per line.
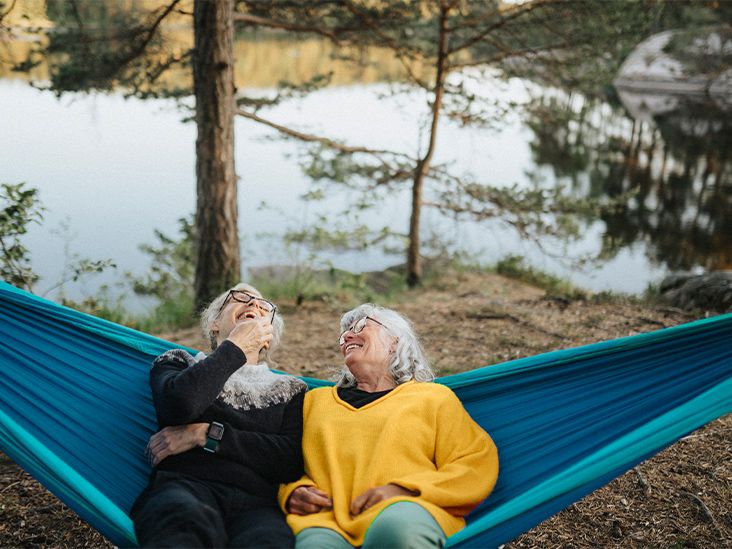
(407,361)
(211,313)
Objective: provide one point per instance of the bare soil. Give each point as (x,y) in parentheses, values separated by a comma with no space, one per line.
(680,498)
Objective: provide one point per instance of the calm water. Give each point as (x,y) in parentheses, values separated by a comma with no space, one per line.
(111,170)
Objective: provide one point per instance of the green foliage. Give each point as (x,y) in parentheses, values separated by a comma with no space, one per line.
(102,305)
(285,91)
(513,266)
(173,262)
(308,276)
(75,266)
(169,282)
(303,283)
(170,279)
(318,236)
(169,314)
(20,209)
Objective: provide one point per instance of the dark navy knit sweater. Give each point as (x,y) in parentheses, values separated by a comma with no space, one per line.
(261,447)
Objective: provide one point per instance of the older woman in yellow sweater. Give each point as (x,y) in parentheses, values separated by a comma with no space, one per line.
(391,460)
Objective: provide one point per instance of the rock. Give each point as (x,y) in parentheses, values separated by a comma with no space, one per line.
(710,291)
(721,90)
(650,69)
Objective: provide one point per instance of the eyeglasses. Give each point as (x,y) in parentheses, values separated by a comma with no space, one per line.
(244,297)
(357,327)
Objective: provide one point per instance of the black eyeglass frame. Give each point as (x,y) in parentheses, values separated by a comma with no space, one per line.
(342,340)
(233,295)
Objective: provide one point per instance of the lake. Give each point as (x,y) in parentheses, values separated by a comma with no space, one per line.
(111,170)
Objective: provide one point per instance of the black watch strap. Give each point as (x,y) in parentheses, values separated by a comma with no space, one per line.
(213,436)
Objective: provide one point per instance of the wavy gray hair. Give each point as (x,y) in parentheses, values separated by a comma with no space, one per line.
(407,361)
(211,313)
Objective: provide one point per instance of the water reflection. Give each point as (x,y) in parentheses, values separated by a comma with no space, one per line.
(263,59)
(664,161)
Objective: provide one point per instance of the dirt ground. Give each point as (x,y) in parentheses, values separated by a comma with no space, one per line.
(680,498)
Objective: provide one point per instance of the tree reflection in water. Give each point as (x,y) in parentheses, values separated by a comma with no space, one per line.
(664,162)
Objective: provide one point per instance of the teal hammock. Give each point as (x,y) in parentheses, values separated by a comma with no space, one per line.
(76,412)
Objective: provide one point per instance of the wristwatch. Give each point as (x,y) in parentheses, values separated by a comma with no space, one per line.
(213,436)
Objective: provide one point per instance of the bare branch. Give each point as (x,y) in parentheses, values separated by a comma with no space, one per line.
(285,25)
(154,74)
(705,510)
(528,52)
(310,138)
(519,12)
(150,33)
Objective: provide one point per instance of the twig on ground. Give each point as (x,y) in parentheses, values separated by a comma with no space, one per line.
(643,482)
(517,320)
(673,310)
(647,320)
(9,486)
(705,511)
(51,507)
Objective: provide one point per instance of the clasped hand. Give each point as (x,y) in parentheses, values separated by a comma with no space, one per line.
(174,440)
(306,500)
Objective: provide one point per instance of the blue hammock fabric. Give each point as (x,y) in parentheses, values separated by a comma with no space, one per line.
(76,412)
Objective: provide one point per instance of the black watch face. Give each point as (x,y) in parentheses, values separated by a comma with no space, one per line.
(216,431)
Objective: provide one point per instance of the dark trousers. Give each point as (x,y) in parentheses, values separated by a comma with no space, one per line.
(181,511)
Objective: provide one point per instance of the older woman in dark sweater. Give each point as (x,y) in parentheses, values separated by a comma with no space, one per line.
(230,433)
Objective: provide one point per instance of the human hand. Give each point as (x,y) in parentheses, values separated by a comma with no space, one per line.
(373,496)
(170,441)
(251,336)
(306,500)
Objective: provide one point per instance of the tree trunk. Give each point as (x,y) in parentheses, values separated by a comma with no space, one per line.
(217,254)
(414,260)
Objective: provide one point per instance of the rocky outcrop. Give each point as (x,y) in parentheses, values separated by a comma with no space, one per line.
(709,292)
(649,68)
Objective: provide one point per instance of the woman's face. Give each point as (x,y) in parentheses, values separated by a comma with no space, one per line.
(369,348)
(234,311)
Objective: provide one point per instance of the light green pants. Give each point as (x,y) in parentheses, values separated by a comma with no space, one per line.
(403,525)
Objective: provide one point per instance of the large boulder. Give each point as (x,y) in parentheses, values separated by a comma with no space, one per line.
(709,292)
(650,68)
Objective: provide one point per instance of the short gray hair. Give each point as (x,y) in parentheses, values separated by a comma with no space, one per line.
(211,313)
(407,361)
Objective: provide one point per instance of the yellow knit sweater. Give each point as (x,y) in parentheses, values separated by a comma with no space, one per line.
(418,436)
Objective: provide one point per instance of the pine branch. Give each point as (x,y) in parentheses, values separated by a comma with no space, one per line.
(519,12)
(256,20)
(150,34)
(387,40)
(325,141)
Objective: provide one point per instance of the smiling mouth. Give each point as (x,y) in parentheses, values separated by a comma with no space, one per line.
(246,315)
(351,346)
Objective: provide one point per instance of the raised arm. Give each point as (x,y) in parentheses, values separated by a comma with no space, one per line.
(183,388)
